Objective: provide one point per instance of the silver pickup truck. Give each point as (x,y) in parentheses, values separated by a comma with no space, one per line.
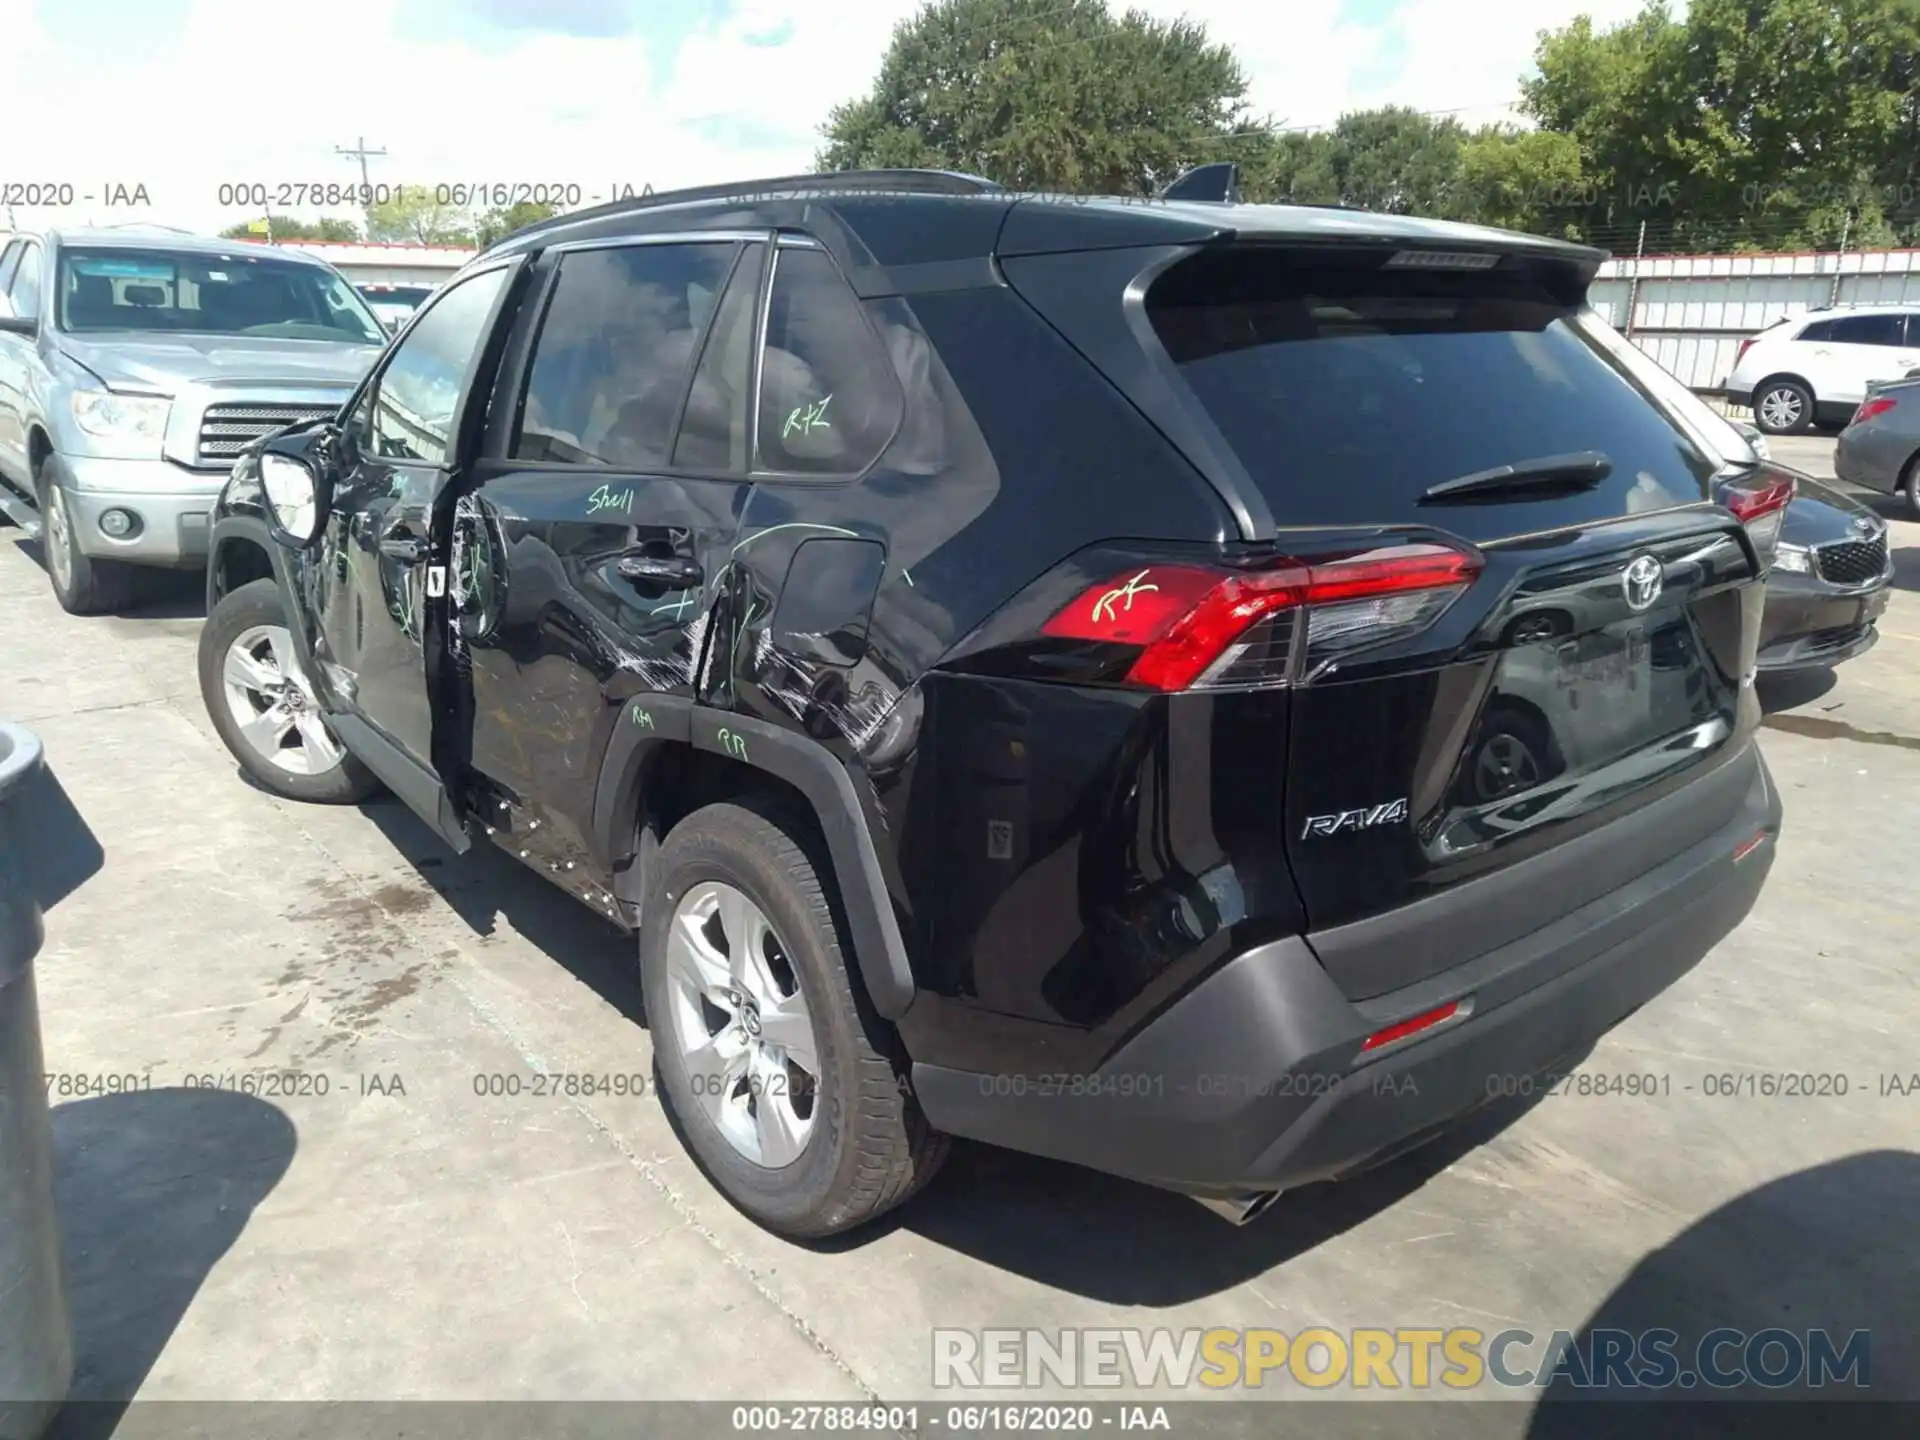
(134,365)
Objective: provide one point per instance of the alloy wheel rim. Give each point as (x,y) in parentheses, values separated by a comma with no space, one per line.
(1780,407)
(741,1022)
(273,706)
(1505,767)
(59,557)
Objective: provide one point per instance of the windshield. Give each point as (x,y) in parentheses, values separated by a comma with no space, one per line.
(206,293)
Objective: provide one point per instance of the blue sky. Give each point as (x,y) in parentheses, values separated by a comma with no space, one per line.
(187,96)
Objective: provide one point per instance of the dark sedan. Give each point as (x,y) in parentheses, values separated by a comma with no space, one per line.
(1829,582)
(1880,448)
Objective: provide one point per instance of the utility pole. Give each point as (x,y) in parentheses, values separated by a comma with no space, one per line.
(1846,229)
(361,153)
(1633,288)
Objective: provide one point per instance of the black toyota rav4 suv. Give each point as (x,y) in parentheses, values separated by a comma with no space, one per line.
(1210,692)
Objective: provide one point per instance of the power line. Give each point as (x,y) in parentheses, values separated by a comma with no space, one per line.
(361,153)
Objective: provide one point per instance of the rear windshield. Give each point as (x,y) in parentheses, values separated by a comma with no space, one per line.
(1347,389)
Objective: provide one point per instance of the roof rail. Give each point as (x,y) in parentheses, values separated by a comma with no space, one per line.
(922,182)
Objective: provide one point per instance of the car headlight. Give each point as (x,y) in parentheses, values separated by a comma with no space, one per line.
(1796,558)
(121,417)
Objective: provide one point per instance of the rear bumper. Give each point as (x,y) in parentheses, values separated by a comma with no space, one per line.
(1255,1079)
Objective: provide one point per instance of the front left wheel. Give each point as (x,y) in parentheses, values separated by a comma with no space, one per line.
(82,584)
(770,1058)
(264,707)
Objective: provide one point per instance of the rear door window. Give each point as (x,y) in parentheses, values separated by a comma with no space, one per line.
(1347,389)
(1868,330)
(615,352)
(829,400)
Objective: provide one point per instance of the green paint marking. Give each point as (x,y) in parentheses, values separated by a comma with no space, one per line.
(643,719)
(805,419)
(732,744)
(607,498)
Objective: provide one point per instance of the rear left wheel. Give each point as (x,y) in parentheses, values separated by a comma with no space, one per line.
(773,1063)
(260,701)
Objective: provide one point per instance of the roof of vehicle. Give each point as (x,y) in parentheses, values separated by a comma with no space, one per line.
(1835,312)
(165,237)
(903,217)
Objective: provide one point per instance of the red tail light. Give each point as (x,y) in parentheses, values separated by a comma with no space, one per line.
(1203,629)
(1761,505)
(1879,405)
(1741,353)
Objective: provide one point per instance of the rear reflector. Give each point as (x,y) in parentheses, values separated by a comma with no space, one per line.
(1747,847)
(1195,626)
(1410,1027)
(1879,405)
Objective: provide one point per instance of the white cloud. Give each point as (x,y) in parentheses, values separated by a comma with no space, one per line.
(234,97)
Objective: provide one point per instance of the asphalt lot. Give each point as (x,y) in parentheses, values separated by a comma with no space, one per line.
(402,1237)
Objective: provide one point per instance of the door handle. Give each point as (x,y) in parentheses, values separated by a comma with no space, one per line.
(674,572)
(409,548)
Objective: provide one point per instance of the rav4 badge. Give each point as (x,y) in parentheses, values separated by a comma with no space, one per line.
(1363,819)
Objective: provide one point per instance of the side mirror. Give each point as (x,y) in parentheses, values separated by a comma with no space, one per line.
(296,499)
(12,324)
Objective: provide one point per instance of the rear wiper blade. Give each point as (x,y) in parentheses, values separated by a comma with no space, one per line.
(1581,470)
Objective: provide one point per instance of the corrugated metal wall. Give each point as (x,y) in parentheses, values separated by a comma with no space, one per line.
(1690,312)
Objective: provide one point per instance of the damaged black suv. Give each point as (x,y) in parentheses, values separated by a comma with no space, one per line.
(1210,692)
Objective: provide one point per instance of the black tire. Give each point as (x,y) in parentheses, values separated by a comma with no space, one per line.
(89,586)
(1910,487)
(869,1148)
(1795,398)
(259,603)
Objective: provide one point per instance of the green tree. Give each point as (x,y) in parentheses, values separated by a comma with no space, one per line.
(1391,159)
(1523,180)
(503,220)
(285,227)
(415,215)
(1045,95)
(1750,123)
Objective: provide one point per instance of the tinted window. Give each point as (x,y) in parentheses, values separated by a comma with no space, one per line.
(828,398)
(1868,330)
(120,288)
(1819,330)
(24,290)
(713,430)
(615,350)
(1346,390)
(415,396)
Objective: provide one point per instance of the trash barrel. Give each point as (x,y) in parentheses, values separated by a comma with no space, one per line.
(36,1337)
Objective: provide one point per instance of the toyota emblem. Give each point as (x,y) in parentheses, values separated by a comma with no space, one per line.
(1641,582)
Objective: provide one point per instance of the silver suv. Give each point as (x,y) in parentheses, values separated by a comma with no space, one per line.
(134,365)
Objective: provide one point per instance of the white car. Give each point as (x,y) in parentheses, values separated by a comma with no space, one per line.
(1817,366)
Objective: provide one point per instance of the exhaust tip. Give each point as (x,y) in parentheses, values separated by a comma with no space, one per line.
(1240,1209)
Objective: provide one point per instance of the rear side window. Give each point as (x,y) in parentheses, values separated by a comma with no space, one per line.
(615,352)
(714,426)
(1819,330)
(9,258)
(1346,389)
(829,400)
(1868,330)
